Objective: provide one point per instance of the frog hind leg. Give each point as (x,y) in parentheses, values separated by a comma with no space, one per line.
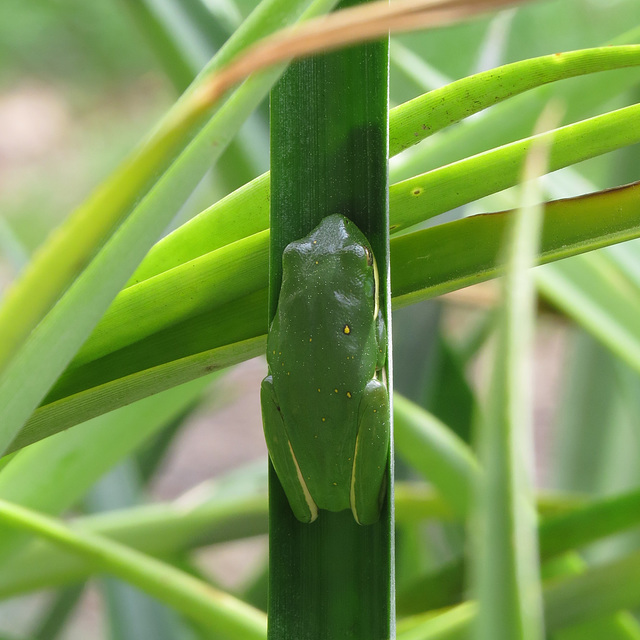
(370,455)
(282,456)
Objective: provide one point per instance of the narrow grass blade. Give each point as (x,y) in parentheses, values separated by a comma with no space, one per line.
(425,115)
(148,299)
(132,613)
(505,576)
(599,591)
(594,521)
(233,508)
(57,264)
(190,295)
(426,264)
(587,402)
(184,36)
(618,626)
(599,295)
(242,213)
(451,625)
(106,397)
(54,474)
(412,201)
(169,529)
(441,190)
(238,509)
(437,453)
(67,252)
(424,196)
(51,345)
(350,26)
(177,64)
(515,118)
(572,530)
(221,224)
(51,625)
(418,272)
(195,599)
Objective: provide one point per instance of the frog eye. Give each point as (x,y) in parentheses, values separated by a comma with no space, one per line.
(369,255)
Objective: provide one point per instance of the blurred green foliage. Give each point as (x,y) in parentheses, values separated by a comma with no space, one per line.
(96,78)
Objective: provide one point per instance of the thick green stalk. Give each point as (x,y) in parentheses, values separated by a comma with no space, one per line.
(329,127)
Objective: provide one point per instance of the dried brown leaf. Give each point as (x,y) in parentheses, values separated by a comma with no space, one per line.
(342,28)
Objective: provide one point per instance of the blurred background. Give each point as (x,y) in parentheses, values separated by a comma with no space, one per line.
(82,82)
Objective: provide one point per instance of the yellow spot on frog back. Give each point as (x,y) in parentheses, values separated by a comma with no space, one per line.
(348,394)
(347,329)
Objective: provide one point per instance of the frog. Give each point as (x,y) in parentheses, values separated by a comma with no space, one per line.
(325,402)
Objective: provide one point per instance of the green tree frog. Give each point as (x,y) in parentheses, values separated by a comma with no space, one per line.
(325,411)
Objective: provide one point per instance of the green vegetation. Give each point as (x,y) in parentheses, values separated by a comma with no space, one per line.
(514,517)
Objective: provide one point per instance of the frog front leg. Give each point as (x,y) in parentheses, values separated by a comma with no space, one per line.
(371,451)
(282,455)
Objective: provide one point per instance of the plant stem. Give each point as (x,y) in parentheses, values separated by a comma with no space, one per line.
(332,578)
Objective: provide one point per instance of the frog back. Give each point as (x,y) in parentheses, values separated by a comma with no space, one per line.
(322,351)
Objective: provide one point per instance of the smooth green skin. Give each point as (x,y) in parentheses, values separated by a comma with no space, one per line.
(325,413)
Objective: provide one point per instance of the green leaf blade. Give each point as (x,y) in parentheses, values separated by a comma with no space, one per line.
(51,345)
